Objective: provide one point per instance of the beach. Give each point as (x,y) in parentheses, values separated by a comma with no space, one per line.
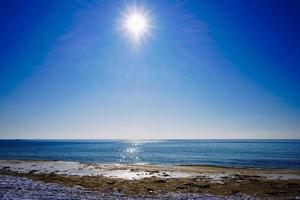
(145,100)
(22,188)
(117,181)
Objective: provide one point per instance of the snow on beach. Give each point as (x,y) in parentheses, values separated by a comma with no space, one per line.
(80,169)
(19,188)
(120,181)
(128,172)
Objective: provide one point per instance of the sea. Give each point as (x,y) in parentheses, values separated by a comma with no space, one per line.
(225,153)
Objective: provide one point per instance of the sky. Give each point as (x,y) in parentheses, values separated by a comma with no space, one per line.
(204,70)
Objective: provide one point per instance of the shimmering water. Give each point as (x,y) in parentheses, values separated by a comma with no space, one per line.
(242,153)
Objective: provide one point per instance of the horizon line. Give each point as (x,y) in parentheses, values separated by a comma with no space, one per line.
(145,139)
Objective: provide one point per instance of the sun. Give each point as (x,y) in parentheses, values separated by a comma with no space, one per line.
(135,24)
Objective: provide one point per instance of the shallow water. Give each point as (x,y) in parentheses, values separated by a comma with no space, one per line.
(233,153)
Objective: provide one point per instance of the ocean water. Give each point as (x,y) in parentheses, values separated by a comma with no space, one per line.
(228,153)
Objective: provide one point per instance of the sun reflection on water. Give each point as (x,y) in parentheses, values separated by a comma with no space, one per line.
(131,153)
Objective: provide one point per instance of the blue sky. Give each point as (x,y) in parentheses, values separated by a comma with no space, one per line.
(208,69)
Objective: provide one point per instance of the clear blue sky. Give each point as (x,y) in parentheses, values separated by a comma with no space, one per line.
(208,69)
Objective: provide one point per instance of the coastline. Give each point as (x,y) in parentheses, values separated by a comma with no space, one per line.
(160,179)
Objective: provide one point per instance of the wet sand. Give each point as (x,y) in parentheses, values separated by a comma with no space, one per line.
(156,180)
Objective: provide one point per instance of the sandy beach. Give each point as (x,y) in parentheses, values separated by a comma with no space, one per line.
(154,181)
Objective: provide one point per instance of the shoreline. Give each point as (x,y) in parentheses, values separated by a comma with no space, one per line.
(160,179)
(158,165)
(140,171)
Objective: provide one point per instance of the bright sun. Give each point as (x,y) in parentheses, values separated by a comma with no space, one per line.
(135,24)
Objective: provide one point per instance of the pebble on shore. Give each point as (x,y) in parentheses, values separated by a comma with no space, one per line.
(19,188)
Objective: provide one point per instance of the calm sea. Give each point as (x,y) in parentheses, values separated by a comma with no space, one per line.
(234,153)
